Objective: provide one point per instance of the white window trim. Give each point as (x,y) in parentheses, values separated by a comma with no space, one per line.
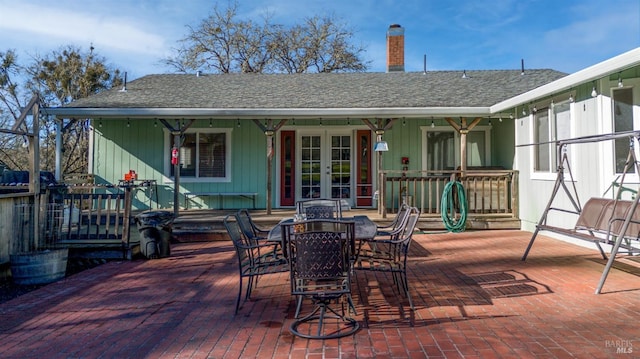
(552,174)
(167,157)
(456,138)
(609,163)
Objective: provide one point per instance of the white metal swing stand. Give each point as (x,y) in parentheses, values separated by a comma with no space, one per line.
(611,221)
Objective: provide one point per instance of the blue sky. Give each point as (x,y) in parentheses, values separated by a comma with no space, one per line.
(134,35)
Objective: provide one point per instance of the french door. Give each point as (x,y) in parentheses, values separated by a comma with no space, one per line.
(325,165)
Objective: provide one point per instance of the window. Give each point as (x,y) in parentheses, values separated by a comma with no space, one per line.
(622,121)
(204,155)
(442,148)
(550,124)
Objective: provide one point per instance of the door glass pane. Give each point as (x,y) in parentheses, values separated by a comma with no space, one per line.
(340,166)
(310,167)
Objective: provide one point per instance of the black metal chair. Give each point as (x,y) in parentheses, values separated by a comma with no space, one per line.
(320,257)
(255,234)
(320,208)
(251,262)
(389,253)
(397,224)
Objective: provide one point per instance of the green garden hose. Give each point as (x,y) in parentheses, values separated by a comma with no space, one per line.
(448,207)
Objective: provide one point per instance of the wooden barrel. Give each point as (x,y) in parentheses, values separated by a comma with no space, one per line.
(39,267)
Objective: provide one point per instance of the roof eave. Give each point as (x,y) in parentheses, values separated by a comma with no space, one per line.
(263,113)
(615,64)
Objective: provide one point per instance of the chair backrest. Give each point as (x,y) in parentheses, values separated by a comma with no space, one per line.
(320,208)
(238,239)
(322,252)
(246,224)
(400,220)
(410,226)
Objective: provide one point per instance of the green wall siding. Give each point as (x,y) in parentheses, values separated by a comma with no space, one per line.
(139,146)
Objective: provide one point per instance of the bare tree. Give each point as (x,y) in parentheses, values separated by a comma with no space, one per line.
(222,43)
(58,78)
(12,99)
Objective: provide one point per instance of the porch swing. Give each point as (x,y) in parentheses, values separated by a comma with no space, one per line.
(613,221)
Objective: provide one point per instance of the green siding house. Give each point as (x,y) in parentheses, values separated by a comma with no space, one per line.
(267,140)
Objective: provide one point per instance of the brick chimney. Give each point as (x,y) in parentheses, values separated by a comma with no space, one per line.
(395,48)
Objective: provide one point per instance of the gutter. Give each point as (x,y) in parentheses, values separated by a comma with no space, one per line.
(263,113)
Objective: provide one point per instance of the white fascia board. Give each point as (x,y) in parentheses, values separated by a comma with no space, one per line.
(264,113)
(613,65)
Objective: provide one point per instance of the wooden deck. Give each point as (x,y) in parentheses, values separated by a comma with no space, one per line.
(207,224)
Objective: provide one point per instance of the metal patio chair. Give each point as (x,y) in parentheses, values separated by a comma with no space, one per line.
(320,208)
(389,254)
(397,223)
(251,263)
(255,234)
(320,258)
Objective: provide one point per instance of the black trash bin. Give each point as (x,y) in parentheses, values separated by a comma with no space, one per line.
(155,233)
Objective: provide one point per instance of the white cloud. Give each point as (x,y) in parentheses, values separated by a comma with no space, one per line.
(69,26)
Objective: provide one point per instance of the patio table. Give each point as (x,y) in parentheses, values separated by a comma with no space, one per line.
(364,228)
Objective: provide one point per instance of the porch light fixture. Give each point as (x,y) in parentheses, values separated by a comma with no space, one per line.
(524,112)
(433,124)
(381,146)
(594,93)
(238,123)
(620,84)
(571,98)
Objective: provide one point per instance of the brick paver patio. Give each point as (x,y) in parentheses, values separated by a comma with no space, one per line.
(474,298)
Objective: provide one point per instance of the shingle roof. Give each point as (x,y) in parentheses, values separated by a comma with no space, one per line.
(322,91)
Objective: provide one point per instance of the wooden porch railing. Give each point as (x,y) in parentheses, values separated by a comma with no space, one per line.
(490,193)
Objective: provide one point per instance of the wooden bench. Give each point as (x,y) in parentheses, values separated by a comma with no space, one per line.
(248,195)
(601,220)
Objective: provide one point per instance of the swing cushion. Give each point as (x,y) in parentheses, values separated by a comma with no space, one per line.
(598,214)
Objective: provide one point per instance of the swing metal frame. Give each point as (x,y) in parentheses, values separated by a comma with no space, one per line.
(616,206)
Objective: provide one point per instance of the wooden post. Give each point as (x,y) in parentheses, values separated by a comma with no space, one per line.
(34,183)
(176,173)
(463,129)
(269,131)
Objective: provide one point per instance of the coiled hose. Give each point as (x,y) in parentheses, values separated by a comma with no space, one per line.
(448,207)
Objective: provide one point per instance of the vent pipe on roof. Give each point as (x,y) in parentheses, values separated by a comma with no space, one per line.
(521,66)
(124,85)
(424,65)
